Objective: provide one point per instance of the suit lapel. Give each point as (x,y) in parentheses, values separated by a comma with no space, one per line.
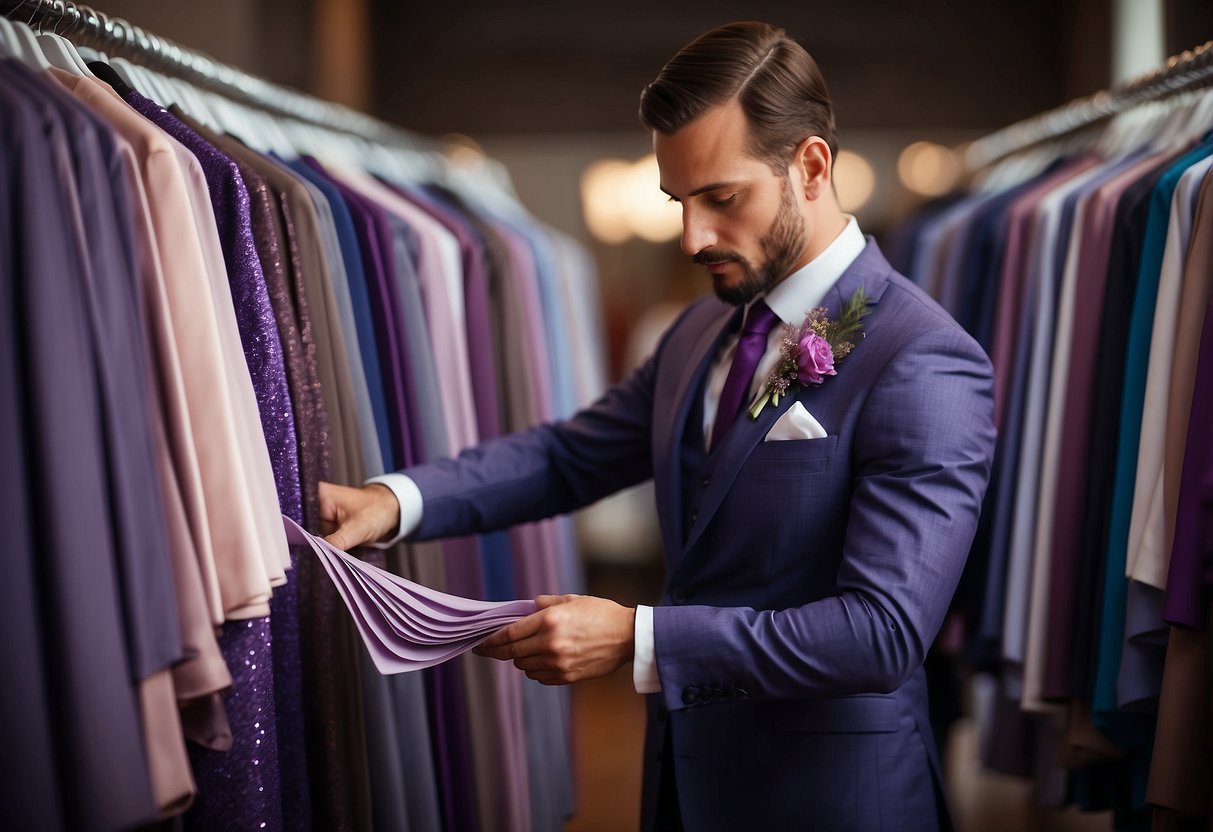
(870,270)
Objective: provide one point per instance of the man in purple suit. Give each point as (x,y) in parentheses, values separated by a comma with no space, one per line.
(814,538)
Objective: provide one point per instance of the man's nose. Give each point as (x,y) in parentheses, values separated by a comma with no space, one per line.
(696,234)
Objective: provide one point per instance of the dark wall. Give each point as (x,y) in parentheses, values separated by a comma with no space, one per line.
(1189,23)
(483,66)
(492,67)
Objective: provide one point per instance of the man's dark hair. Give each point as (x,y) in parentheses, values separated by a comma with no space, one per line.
(776,81)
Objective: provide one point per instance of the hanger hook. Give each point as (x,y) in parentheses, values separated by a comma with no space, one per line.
(121,33)
(89,25)
(111,30)
(69,9)
(52,8)
(141,42)
(52,11)
(37,7)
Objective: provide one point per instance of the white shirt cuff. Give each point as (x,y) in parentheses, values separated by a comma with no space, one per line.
(644,662)
(409,496)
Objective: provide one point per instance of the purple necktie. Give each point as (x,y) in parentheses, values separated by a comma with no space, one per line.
(750,346)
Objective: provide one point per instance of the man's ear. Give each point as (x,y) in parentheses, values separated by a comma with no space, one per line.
(811,164)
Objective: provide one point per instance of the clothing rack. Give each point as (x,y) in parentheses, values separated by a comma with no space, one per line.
(85,26)
(1185,71)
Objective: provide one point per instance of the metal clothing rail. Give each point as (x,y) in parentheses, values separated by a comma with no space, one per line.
(1186,71)
(86,27)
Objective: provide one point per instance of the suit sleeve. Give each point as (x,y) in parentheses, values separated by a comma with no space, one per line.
(547,470)
(922,449)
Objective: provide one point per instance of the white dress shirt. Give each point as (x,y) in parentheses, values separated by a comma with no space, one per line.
(790,300)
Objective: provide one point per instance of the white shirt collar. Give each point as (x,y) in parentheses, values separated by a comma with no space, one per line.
(805,288)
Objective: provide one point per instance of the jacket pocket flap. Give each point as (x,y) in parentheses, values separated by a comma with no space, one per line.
(868,714)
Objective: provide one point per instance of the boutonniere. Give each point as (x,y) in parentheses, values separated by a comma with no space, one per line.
(808,354)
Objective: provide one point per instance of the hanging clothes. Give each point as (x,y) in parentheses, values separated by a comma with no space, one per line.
(232,319)
(1081,269)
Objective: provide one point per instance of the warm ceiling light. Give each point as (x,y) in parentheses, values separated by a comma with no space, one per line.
(463,151)
(649,212)
(928,169)
(601,200)
(854,180)
(622,200)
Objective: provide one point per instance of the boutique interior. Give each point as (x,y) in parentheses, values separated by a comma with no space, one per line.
(963,129)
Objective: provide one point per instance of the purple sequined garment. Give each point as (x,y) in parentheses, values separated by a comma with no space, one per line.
(284,607)
(269,234)
(240,789)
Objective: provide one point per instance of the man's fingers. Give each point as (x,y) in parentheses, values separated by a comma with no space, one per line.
(502,653)
(330,499)
(520,629)
(500,638)
(534,663)
(510,650)
(347,535)
(340,538)
(352,517)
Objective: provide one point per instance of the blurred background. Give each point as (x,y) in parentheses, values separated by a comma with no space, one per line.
(550,90)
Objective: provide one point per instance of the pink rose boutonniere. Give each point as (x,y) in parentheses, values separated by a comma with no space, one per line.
(808,354)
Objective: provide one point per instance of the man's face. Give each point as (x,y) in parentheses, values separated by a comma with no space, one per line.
(739,218)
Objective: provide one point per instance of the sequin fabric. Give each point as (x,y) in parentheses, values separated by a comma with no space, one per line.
(284,606)
(239,789)
(269,234)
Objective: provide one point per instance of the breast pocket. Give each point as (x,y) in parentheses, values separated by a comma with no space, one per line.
(793,457)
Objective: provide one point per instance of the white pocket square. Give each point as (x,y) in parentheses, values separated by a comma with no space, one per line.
(796,423)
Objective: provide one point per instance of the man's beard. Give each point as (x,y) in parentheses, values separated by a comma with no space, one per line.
(781,247)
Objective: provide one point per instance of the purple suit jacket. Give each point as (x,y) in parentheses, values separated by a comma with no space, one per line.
(813,574)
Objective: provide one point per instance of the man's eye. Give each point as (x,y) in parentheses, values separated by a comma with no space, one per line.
(721,203)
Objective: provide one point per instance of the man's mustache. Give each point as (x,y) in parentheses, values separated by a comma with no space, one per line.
(702,259)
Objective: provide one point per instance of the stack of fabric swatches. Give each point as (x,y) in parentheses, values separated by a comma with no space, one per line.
(406,626)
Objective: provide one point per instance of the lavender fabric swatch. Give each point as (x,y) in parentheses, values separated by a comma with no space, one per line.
(404,625)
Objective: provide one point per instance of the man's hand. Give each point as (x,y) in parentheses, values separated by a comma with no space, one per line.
(356,516)
(570,638)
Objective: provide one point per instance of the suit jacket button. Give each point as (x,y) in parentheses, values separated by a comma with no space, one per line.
(694,516)
(690,695)
(706,480)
